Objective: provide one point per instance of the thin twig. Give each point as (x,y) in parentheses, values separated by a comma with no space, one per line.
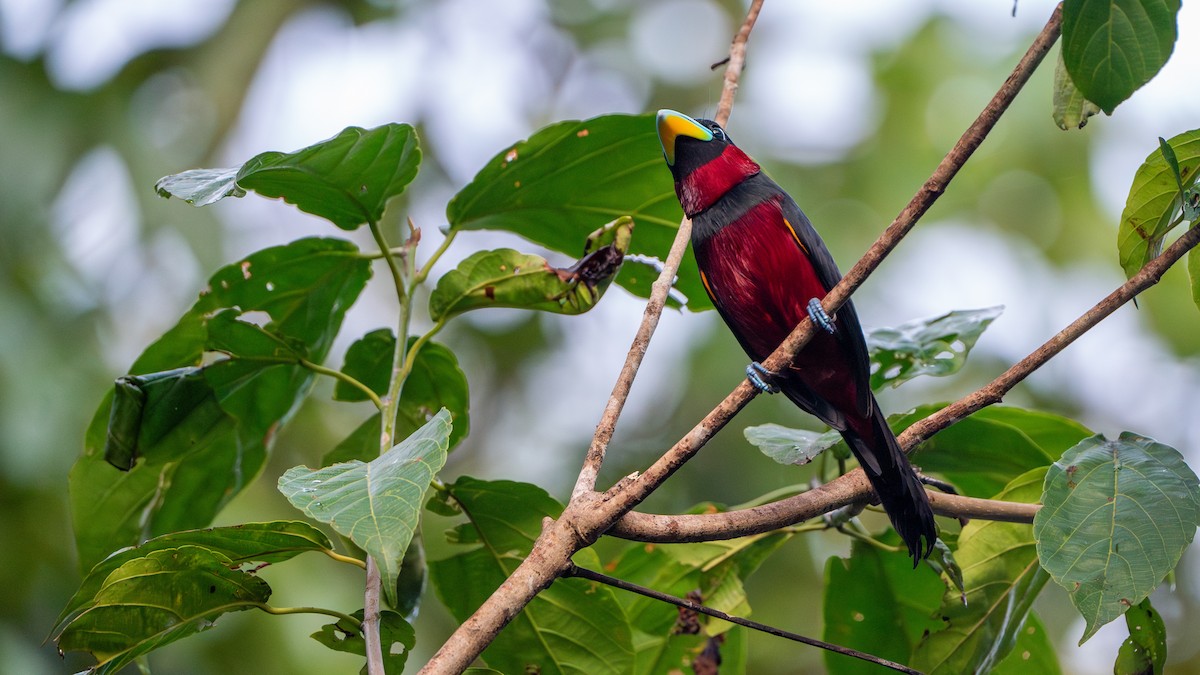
(629,493)
(585,517)
(590,471)
(853,486)
(584,573)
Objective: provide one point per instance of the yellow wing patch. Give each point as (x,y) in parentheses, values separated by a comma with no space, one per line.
(707,288)
(796,237)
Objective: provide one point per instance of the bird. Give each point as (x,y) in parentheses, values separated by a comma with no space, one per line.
(765,268)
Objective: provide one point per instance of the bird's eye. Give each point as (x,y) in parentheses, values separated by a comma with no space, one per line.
(718,133)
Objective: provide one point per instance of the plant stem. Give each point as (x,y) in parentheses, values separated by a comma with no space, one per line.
(350,560)
(343,377)
(423,273)
(280,611)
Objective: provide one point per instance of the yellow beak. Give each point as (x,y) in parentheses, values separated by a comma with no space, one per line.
(673,124)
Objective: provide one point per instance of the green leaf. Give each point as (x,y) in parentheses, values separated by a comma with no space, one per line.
(1193,266)
(202,432)
(790,446)
(1071,109)
(568,178)
(982,453)
(155,599)
(410,585)
(937,346)
(1117,516)
(436,382)
(1113,47)
(1034,652)
(346,179)
(507,278)
(368,360)
(573,626)
(1153,205)
(396,636)
(876,602)
(713,570)
(200,187)
(377,504)
(1002,578)
(1145,650)
(270,542)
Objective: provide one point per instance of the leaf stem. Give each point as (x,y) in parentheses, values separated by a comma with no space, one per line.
(343,377)
(281,611)
(411,360)
(423,273)
(350,560)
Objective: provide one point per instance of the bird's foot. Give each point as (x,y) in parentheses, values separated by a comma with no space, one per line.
(934,482)
(820,317)
(762,379)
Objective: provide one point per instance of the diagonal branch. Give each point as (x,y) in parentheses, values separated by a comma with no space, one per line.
(854,487)
(662,286)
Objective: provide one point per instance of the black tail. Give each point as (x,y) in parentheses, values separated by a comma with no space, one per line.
(900,491)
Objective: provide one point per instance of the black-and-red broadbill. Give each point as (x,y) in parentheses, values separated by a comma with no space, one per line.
(762,264)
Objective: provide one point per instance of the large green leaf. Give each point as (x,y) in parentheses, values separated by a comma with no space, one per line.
(714,571)
(877,603)
(436,382)
(157,598)
(571,177)
(1145,650)
(1002,578)
(396,637)
(201,433)
(346,179)
(1113,47)
(271,542)
(1034,652)
(1153,204)
(378,503)
(508,278)
(573,626)
(982,453)
(1117,516)
(1071,109)
(936,346)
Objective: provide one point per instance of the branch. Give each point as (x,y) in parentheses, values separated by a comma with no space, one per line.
(628,494)
(661,287)
(586,517)
(583,573)
(853,486)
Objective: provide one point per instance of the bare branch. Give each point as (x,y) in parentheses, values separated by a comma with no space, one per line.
(853,486)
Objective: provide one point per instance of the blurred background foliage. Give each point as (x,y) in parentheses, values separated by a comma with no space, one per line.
(849,108)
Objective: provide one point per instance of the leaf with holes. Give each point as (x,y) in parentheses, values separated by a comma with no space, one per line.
(1113,47)
(572,626)
(936,346)
(346,179)
(568,178)
(202,428)
(155,599)
(1117,516)
(271,542)
(1153,207)
(1002,578)
(376,504)
(1145,650)
(396,638)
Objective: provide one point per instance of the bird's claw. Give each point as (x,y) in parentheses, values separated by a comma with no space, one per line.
(762,379)
(820,317)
